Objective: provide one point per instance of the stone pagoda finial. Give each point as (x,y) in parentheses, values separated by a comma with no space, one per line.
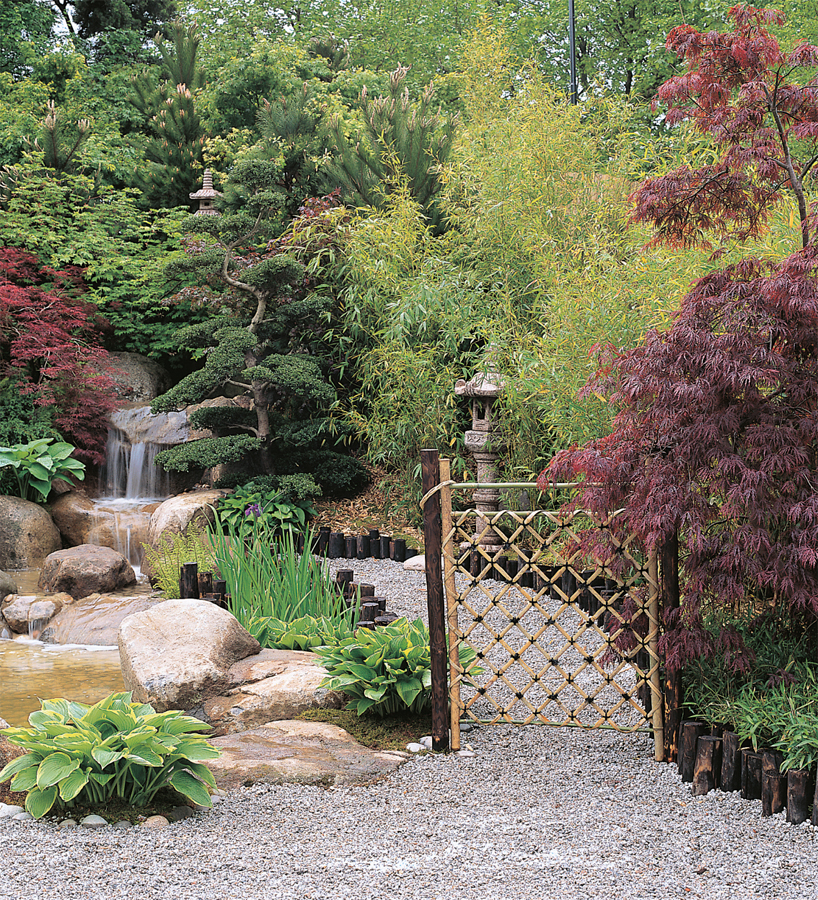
(206,196)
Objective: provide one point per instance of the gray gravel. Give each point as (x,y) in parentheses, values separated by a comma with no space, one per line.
(537,813)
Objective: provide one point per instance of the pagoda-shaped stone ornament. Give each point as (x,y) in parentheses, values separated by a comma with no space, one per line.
(206,196)
(485,445)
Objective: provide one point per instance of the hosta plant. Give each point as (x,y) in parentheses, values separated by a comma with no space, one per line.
(38,464)
(304,633)
(115,749)
(385,670)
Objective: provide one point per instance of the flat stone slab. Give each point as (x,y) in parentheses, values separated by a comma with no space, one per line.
(298,752)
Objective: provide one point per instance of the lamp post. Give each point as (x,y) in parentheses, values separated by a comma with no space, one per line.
(572,46)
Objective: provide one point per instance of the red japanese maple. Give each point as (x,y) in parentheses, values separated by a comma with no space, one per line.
(717,433)
(49,343)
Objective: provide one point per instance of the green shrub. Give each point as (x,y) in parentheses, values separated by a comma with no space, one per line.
(385,670)
(268,579)
(113,749)
(165,561)
(38,464)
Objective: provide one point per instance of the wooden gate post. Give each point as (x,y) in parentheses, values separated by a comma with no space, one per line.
(674,699)
(432,539)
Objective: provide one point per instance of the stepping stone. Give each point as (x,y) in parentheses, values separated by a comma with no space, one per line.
(298,752)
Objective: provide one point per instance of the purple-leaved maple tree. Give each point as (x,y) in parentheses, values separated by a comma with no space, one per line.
(716,436)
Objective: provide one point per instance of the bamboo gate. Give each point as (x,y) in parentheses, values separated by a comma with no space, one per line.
(560,637)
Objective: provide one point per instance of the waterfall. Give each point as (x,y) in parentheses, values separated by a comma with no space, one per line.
(131,485)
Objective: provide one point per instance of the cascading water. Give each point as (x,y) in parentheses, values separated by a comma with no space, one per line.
(131,485)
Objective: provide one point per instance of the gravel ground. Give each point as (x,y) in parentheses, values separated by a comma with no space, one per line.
(537,813)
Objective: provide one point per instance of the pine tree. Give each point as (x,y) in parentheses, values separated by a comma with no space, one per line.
(175,145)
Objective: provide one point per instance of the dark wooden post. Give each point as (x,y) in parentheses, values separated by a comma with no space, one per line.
(189,581)
(433,541)
(688,747)
(708,765)
(797,796)
(673,696)
(773,783)
(750,774)
(730,762)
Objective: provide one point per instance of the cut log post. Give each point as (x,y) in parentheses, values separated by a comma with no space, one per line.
(797,796)
(370,611)
(399,553)
(322,545)
(730,761)
(386,541)
(815,805)
(688,745)
(367,590)
(350,546)
(362,548)
(189,581)
(205,580)
(750,774)
(708,765)
(220,589)
(335,548)
(773,783)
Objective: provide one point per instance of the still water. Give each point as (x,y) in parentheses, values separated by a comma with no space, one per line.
(31,671)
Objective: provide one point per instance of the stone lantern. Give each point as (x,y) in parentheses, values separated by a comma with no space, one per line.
(206,196)
(485,444)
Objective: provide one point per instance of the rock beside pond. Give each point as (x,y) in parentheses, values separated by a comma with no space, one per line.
(300,752)
(94,620)
(27,534)
(174,515)
(22,611)
(273,684)
(7,585)
(85,570)
(179,653)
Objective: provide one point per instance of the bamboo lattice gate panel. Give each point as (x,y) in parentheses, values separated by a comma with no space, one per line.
(562,638)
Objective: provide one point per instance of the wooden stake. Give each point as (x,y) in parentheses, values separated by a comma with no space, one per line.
(688,747)
(673,694)
(797,795)
(773,783)
(750,774)
(708,765)
(455,669)
(730,762)
(189,581)
(432,539)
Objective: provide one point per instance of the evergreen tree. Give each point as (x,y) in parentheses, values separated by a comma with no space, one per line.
(402,138)
(175,143)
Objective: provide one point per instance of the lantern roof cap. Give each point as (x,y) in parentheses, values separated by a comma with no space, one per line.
(207,191)
(487,383)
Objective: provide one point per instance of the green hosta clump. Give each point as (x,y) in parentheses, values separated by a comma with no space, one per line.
(385,670)
(114,749)
(38,464)
(304,633)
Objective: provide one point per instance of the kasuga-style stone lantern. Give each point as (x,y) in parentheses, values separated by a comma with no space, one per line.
(206,196)
(485,444)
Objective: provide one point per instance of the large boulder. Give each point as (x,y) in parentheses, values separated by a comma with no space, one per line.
(95,620)
(85,570)
(76,516)
(177,513)
(7,585)
(300,752)
(274,684)
(179,653)
(25,613)
(137,378)
(27,534)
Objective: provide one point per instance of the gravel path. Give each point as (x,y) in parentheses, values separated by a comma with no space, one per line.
(537,814)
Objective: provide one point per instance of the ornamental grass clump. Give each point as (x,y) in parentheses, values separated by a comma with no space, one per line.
(114,750)
(270,583)
(385,670)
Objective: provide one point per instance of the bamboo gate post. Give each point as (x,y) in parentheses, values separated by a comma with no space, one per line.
(455,702)
(430,474)
(674,699)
